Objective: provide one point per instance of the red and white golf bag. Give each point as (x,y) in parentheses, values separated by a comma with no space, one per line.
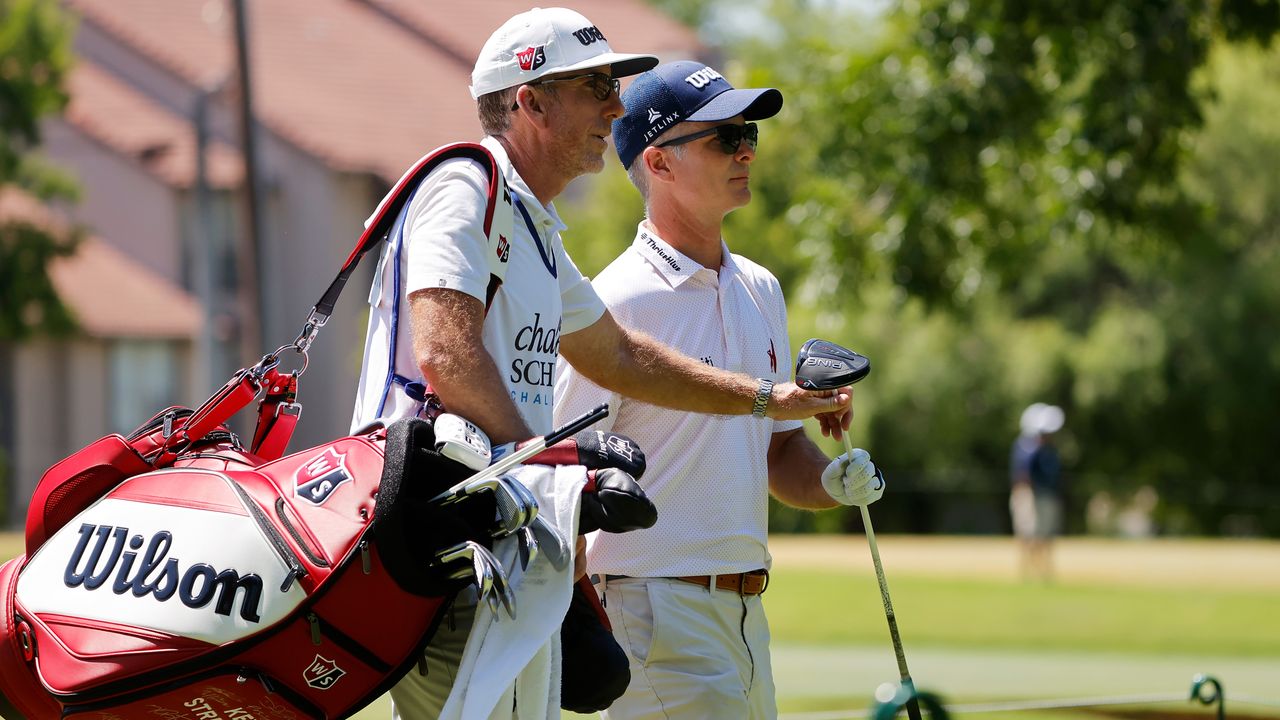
(173,573)
(226,585)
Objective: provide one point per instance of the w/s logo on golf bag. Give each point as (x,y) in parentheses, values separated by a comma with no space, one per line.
(319,477)
(323,673)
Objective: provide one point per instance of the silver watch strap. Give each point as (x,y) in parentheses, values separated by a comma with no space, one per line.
(763,393)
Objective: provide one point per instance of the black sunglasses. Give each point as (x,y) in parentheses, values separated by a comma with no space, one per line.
(601,85)
(731,137)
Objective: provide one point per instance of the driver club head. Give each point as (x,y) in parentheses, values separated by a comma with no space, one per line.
(823,365)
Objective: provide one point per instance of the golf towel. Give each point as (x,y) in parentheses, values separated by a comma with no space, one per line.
(511,667)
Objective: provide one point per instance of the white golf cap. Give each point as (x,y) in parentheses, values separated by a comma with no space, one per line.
(547,40)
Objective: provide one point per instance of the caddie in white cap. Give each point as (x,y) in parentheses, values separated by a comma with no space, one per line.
(474,300)
(544,41)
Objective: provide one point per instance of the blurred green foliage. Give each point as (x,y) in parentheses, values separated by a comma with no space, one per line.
(1005,202)
(35,56)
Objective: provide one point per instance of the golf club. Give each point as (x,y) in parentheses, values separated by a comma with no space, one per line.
(479,570)
(823,365)
(501,585)
(551,542)
(491,582)
(535,446)
(528,547)
(517,507)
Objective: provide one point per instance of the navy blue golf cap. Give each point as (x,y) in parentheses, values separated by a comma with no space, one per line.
(684,91)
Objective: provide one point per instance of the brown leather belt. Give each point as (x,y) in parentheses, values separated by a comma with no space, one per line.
(747,583)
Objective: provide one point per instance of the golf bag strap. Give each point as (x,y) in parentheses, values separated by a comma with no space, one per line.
(277,415)
(239,391)
(385,216)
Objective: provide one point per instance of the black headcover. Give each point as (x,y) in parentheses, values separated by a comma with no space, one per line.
(407,530)
(594,669)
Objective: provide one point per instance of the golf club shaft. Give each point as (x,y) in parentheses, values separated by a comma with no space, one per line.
(528,451)
(913,707)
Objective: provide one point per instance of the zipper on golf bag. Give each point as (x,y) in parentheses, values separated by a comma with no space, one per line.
(321,631)
(296,569)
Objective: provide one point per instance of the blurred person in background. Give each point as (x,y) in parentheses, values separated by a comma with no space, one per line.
(1035,498)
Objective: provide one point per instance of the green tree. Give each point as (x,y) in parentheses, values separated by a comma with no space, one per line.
(1002,202)
(35,54)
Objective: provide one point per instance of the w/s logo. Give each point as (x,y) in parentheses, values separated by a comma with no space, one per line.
(321,475)
(531,58)
(322,673)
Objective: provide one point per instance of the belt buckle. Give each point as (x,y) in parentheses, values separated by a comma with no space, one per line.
(755,573)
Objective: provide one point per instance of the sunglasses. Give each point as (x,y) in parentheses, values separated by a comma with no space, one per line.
(601,85)
(731,137)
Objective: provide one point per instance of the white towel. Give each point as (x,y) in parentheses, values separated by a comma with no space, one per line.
(511,668)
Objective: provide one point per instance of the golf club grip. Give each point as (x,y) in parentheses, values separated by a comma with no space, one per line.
(533,448)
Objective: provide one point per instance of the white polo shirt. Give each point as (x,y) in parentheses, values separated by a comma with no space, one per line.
(707,474)
(439,242)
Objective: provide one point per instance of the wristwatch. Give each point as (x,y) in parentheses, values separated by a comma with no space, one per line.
(763,393)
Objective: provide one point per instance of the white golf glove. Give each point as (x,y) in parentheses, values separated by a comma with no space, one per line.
(853,482)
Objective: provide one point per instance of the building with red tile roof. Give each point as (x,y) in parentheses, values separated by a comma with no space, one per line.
(346,93)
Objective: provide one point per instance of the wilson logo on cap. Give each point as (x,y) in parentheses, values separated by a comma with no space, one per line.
(531,58)
(703,78)
(588,35)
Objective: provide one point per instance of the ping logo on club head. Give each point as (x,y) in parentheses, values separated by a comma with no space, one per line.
(322,673)
(532,58)
(316,480)
(825,362)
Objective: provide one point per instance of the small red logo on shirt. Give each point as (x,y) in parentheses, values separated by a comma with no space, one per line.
(773,357)
(504,248)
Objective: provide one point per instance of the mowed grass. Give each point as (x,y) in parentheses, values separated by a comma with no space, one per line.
(1190,597)
(827,608)
(1127,603)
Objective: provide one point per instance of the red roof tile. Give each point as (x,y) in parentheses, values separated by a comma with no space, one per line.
(109,294)
(367,85)
(163,142)
(462,28)
(330,76)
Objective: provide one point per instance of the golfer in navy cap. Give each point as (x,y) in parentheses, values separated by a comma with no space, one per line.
(684,596)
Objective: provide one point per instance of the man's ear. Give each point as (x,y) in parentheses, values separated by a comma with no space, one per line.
(529,102)
(658,163)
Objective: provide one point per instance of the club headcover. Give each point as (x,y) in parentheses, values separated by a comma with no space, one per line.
(596,449)
(613,501)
